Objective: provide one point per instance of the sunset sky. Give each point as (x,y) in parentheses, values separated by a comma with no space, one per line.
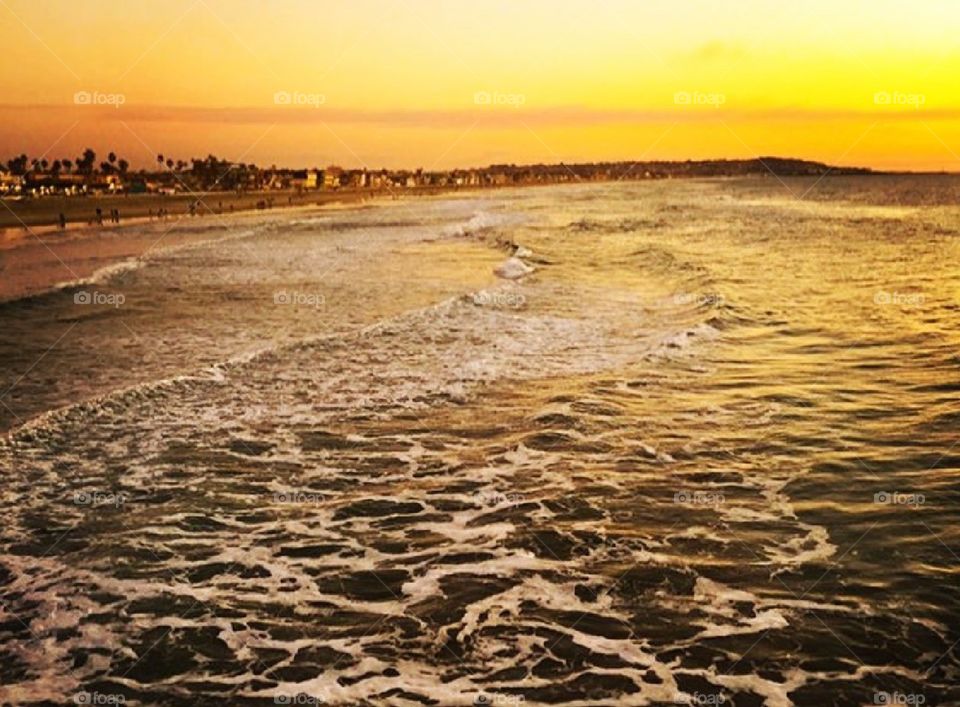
(437,84)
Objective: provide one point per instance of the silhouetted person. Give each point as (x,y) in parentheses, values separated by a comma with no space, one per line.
(63,221)
(99,216)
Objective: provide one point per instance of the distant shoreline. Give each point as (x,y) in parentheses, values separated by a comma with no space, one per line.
(42,215)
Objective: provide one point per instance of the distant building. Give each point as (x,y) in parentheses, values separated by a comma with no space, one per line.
(105,184)
(331,177)
(10,183)
(304,179)
(274,182)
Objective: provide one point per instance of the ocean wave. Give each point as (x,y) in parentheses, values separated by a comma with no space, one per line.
(108,273)
(480,222)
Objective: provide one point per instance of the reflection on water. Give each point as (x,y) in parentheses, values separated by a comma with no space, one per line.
(703,454)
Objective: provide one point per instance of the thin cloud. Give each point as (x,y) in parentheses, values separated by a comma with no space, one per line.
(505,117)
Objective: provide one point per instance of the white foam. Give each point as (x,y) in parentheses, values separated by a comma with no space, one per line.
(513,269)
(479,222)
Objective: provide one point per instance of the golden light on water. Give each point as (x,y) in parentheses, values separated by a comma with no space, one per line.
(384,83)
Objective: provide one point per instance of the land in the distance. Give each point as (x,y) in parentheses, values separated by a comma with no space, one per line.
(75,194)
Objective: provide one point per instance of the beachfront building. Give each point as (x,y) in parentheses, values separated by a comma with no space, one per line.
(381,180)
(332,176)
(305,179)
(10,183)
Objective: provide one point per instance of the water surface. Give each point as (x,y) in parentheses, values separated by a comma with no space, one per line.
(703,454)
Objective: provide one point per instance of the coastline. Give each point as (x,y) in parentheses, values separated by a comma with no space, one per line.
(20,219)
(37,260)
(42,215)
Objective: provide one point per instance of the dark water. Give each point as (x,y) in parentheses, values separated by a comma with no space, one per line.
(703,454)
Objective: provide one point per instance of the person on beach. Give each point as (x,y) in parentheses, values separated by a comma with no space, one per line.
(63,221)
(99,218)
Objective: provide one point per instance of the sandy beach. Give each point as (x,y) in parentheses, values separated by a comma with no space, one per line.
(42,215)
(38,258)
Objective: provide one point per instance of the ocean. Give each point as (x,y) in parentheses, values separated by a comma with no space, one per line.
(698,448)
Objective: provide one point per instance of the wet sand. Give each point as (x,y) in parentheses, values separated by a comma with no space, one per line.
(42,215)
(35,259)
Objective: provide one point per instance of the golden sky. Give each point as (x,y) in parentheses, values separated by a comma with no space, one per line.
(443,83)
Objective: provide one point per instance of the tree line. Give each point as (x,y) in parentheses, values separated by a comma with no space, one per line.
(209,171)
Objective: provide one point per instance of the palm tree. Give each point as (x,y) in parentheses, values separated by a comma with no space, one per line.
(68,164)
(124,166)
(160,161)
(86,163)
(170,163)
(18,165)
(112,158)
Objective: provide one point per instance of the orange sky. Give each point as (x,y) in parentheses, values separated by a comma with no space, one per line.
(442,83)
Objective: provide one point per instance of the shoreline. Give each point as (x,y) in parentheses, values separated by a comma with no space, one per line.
(112,243)
(41,216)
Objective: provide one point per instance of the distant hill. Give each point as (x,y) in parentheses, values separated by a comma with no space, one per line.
(779,166)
